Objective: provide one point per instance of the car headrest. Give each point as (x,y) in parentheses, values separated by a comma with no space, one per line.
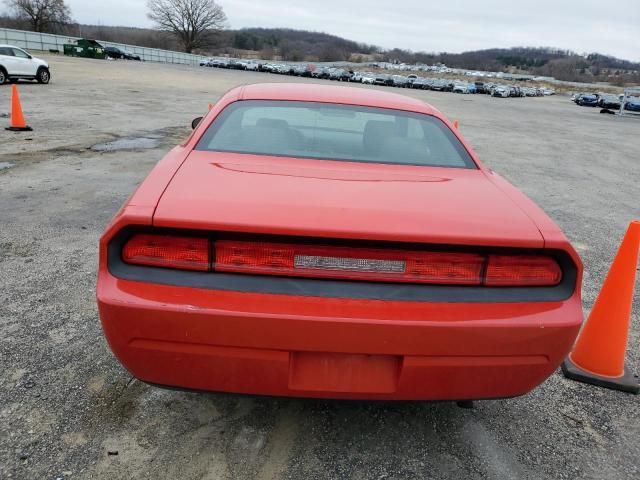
(268,139)
(375,133)
(409,150)
(272,123)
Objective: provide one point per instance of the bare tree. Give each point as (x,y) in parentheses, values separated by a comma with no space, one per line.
(192,21)
(42,15)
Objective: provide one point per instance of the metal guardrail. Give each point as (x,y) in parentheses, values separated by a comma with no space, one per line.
(48,41)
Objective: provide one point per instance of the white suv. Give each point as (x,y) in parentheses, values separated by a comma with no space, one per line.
(15,63)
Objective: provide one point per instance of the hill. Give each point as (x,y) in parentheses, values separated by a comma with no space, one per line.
(295,45)
(543,61)
(301,45)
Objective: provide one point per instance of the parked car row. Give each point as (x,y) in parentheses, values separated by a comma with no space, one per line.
(230,63)
(606,100)
(379,78)
(493,89)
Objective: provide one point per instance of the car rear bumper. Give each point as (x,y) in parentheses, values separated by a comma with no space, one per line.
(333,348)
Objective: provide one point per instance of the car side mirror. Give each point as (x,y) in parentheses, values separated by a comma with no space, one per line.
(195,122)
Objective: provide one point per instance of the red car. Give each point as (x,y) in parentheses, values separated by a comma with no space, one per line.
(323,241)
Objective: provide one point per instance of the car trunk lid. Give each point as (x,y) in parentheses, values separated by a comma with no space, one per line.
(333,199)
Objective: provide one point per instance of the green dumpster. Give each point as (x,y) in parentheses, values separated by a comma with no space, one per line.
(84,48)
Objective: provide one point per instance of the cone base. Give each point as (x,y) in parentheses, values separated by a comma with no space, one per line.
(19,129)
(626,383)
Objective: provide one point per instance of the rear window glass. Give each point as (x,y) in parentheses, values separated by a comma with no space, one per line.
(335,132)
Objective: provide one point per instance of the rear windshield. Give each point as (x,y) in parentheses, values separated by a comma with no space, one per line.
(335,132)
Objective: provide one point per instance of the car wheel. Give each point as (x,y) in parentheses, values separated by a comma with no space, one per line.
(43,76)
(3,76)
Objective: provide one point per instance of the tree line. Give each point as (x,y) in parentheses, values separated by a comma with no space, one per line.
(297,45)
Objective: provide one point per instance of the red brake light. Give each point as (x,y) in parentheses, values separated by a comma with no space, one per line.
(383,265)
(340,262)
(169,251)
(522,270)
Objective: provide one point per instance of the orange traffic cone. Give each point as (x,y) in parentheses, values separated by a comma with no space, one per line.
(210,106)
(455,123)
(598,355)
(17,118)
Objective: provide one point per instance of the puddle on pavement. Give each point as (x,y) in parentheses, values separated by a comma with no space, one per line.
(6,165)
(130,143)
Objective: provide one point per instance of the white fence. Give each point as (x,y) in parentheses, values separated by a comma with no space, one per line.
(47,41)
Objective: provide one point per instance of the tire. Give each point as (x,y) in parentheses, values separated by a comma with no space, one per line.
(3,75)
(43,75)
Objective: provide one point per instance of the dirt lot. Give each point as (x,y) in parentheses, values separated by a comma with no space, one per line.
(69,410)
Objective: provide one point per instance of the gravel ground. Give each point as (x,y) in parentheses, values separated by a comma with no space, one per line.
(69,410)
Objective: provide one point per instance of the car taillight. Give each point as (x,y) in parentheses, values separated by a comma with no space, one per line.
(383,265)
(522,270)
(340,262)
(168,251)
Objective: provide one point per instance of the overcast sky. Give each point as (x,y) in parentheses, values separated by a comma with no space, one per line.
(611,27)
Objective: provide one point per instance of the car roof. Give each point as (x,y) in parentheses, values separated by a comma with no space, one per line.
(306,92)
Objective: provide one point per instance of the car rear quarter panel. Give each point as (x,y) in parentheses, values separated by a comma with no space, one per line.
(554,238)
(141,205)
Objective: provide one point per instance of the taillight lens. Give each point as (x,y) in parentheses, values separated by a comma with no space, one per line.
(168,251)
(338,262)
(522,270)
(384,265)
